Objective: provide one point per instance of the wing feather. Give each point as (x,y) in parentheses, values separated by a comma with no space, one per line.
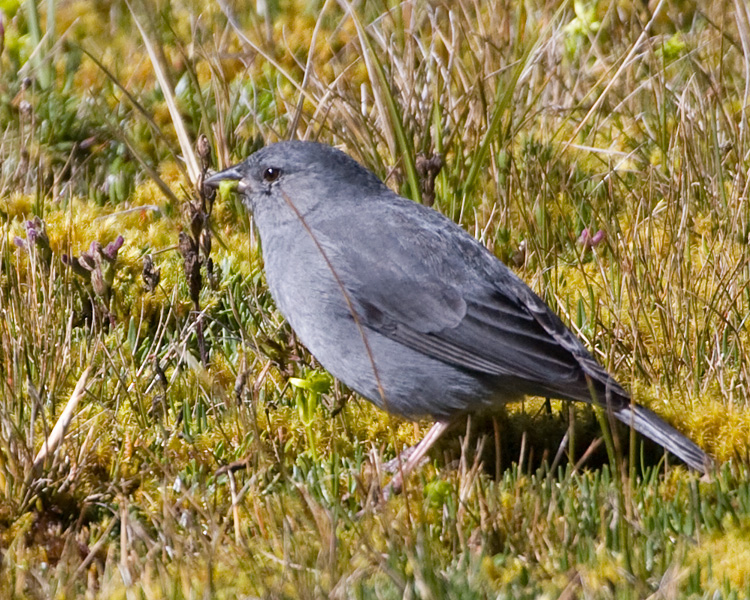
(495,336)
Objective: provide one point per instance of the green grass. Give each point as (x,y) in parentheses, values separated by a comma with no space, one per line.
(209,455)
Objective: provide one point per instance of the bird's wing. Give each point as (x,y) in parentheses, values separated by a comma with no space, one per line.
(492,333)
(435,289)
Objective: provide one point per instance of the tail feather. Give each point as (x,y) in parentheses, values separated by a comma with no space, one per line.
(653,427)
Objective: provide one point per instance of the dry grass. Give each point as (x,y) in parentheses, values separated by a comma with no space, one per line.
(191,467)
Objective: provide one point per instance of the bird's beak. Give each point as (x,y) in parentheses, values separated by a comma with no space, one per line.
(230,174)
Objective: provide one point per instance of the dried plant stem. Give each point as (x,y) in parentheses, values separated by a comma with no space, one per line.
(55,438)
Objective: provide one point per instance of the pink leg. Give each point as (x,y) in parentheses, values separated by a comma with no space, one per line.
(416,455)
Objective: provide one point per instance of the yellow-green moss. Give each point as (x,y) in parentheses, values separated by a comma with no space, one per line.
(724,556)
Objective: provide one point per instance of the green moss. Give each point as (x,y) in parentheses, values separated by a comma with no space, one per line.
(140,489)
(723,557)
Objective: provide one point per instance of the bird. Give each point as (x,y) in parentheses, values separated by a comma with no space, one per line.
(405,307)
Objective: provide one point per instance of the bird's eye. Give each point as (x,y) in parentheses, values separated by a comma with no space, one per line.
(271,174)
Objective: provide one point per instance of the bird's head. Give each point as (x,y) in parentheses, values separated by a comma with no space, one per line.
(296,177)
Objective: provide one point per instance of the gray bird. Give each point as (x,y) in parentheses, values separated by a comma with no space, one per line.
(406,308)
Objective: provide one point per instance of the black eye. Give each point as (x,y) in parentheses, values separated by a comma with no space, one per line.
(271,174)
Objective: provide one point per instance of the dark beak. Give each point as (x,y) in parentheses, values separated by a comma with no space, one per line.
(230,174)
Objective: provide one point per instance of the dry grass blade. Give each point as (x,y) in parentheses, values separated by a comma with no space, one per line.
(57,434)
(398,141)
(256,48)
(179,125)
(308,69)
(152,173)
(743,27)
(173,478)
(625,63)
(504,94)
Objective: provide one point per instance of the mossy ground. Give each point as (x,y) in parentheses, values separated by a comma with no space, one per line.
(193,467)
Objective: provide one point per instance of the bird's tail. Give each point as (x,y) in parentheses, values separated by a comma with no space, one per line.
(653,427)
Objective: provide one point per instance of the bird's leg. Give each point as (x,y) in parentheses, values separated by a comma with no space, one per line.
(393,465)
(416,454)
(498,449)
